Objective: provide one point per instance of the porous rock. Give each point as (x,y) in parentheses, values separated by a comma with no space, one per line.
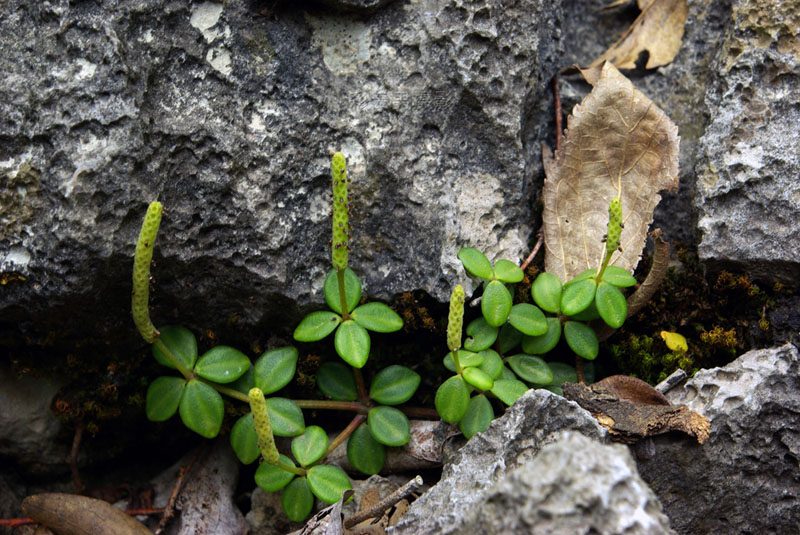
(574,485)
(28,428)
(510,441)
(745,478)
(748,194)
(227,114)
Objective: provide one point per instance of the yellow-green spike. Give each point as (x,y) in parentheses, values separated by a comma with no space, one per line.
(141,272)
(266,441)
(455,319)
(614,225)
(341,222)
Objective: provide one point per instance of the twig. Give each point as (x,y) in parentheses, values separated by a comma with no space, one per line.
(169,510)
(557,99)
(385,503)
(539,242)
(13,523)
(77,484)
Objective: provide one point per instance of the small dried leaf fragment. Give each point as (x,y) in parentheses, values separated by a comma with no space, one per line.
(629,422)
(618,143)
(657,30)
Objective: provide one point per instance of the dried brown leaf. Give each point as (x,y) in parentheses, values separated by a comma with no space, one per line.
(658,30)
(618,143)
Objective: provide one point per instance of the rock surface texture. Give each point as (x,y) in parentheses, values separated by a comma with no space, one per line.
(29,428)
(540,468)
(745,478)
(748,192)
(227,113)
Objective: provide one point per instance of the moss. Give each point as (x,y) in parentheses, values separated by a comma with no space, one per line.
(721,316)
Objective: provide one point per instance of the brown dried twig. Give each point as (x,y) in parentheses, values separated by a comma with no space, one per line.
(385,503)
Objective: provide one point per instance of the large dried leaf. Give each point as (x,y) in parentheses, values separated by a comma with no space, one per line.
(658,30)
(618,143)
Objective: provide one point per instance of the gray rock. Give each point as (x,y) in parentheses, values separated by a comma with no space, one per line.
(748,195)
(266,515)
(745,478)
(228,118)
(206,503)
(510,441)
(28,429)
(574,485)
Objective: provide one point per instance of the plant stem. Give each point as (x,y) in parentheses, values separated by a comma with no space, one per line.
(290,468)
(363,396)
(579,369)
(227,391)
(173,359)
(346,432)
(354,406)
(342,294)
(455,360)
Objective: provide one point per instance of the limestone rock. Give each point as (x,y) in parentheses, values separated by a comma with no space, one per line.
(573,485)
(28,428)
(510,441)
(745,477)
(227,116)
(748,193)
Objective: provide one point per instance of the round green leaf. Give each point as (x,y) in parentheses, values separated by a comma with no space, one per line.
(394,385)
(352,290)
(285,417)
(465,358)
(505,373)
(492,363)
(508,339)
(478,416)
(297,499)
(352,343)
(317,326)
(583,275)
(163,396)
(181,343)
(244,439)
(271,478)
(222,364)
(310,446)
(377,317)
(578,296)
(509,390)
(364,452)
(480,335)
(496,303)
(452,398)
(531,369)
(546,292)
(588,314)
(275,369)
(328,482)
(581,339)
(244,383)
(478,378)
(476,262)
(563,373)
(611,305)
(336,380)
(201,408)
(539,345)
(388,426)
(507,271)
(528,319)
(618,277)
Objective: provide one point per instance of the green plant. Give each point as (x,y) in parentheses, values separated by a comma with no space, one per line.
(566,309)
(196,395)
